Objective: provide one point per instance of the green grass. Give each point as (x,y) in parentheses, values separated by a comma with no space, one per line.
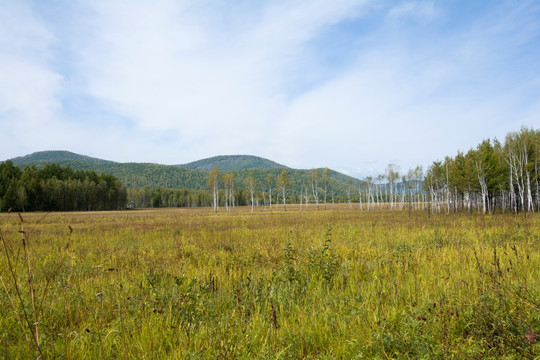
(336,284)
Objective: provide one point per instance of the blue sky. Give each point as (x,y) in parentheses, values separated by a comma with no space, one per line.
(351,85)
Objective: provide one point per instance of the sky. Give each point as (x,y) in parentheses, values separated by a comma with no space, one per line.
(349,85)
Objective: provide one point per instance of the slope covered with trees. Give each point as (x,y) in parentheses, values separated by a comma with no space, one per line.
(66,158)
(233,162)
(133,175)
(241,187)
(154,176)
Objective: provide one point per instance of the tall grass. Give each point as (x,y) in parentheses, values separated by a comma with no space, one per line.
(336,284)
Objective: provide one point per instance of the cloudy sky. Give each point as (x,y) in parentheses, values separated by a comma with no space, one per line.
(352,85)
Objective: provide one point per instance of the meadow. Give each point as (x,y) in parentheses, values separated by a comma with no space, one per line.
(334,284)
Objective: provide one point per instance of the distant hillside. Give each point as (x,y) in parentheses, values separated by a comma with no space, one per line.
(133,175)
(141,175)
(56,156)
(234,162)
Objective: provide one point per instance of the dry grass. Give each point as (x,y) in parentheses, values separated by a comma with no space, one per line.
(187,283)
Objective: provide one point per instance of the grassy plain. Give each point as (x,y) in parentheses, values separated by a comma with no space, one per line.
(336,284)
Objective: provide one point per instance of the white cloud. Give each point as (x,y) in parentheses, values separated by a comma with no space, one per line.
(187,71)
(172,82)
(422,12)
(29,89)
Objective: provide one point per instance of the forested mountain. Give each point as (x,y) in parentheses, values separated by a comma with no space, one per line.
(233,162)
(132,175)
(145,175)
(65,158)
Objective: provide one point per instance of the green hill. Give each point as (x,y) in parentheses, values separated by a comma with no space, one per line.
(233,162)
(57,156)
(133,175)
(140,175)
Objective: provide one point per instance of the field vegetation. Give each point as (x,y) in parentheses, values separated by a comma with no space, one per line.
(335,284)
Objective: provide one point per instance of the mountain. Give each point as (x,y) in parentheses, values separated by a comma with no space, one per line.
(57,156)
(234,162)
(192,175)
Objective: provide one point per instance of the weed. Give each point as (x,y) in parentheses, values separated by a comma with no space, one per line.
(163,284)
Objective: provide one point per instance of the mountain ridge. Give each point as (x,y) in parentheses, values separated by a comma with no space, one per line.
(142,175)
(233,162)
(47,156)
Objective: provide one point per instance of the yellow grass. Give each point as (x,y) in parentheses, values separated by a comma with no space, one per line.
(340,283)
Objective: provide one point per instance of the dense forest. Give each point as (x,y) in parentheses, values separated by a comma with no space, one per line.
(58,188)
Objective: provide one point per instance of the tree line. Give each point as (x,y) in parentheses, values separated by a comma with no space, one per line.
(494,176)
(58,188)
(318,188)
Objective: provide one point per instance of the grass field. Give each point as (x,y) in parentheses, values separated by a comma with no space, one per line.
(336,284)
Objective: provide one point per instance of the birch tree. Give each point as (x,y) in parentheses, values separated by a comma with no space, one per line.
(283,185)
(349,186)
(516,149)
(369,188)
(228,182)
(418,177)
(314,176)
(306,194)
(326,180)
(251,186)
(213,185)
(269,184)
(392,173)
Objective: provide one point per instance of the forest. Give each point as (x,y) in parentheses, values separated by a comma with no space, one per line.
(58,188)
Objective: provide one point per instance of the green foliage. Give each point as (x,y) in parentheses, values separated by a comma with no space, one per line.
(324,263)
(491,177)
(133,175)
(289,260)
(57,188)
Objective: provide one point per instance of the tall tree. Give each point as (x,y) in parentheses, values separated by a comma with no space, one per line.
(326,180)
(306,194)
(251,186)
(283,185)
(269,184)
(369,189)
(213,185)
(392,173)
(418,177)
(485,168)
(435,184)
(228,182)
(314,176)
(349,186)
